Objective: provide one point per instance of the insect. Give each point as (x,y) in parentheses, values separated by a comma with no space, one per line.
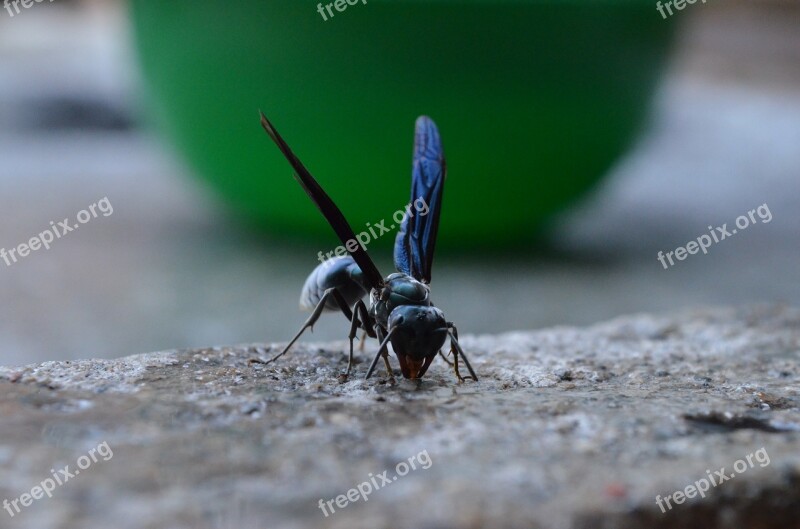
(401,311)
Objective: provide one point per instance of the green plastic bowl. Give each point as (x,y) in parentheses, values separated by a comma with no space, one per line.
(534,100)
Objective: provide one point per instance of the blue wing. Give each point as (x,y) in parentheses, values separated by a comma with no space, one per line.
(416,240)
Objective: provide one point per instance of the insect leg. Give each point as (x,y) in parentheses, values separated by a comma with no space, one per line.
(309,324)
(381,351)
(455,348)
(386,362)
(445,358)
(365,321)
(342,304)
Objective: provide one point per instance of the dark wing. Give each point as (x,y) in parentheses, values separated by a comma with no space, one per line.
(416,240)
(332,213)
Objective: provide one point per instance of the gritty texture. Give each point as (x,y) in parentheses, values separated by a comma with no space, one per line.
(567,428)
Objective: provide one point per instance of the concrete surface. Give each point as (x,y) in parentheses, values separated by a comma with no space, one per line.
(567,428)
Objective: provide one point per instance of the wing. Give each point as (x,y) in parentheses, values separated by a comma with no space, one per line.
(416,240)
(333,215)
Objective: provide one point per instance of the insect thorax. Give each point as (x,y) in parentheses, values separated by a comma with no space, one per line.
(398,289)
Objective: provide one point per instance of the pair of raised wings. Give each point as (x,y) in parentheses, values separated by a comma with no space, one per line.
(416,240)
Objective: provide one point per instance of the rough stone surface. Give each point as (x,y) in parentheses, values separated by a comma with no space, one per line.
(568,427)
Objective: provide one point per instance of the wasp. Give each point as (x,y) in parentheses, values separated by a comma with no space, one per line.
(401,311)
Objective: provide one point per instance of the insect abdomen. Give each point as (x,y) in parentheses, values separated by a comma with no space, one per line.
(341,273)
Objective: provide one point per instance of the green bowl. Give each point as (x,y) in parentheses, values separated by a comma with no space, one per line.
(534,100)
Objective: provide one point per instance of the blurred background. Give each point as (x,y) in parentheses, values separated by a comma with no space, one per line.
(177,266)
